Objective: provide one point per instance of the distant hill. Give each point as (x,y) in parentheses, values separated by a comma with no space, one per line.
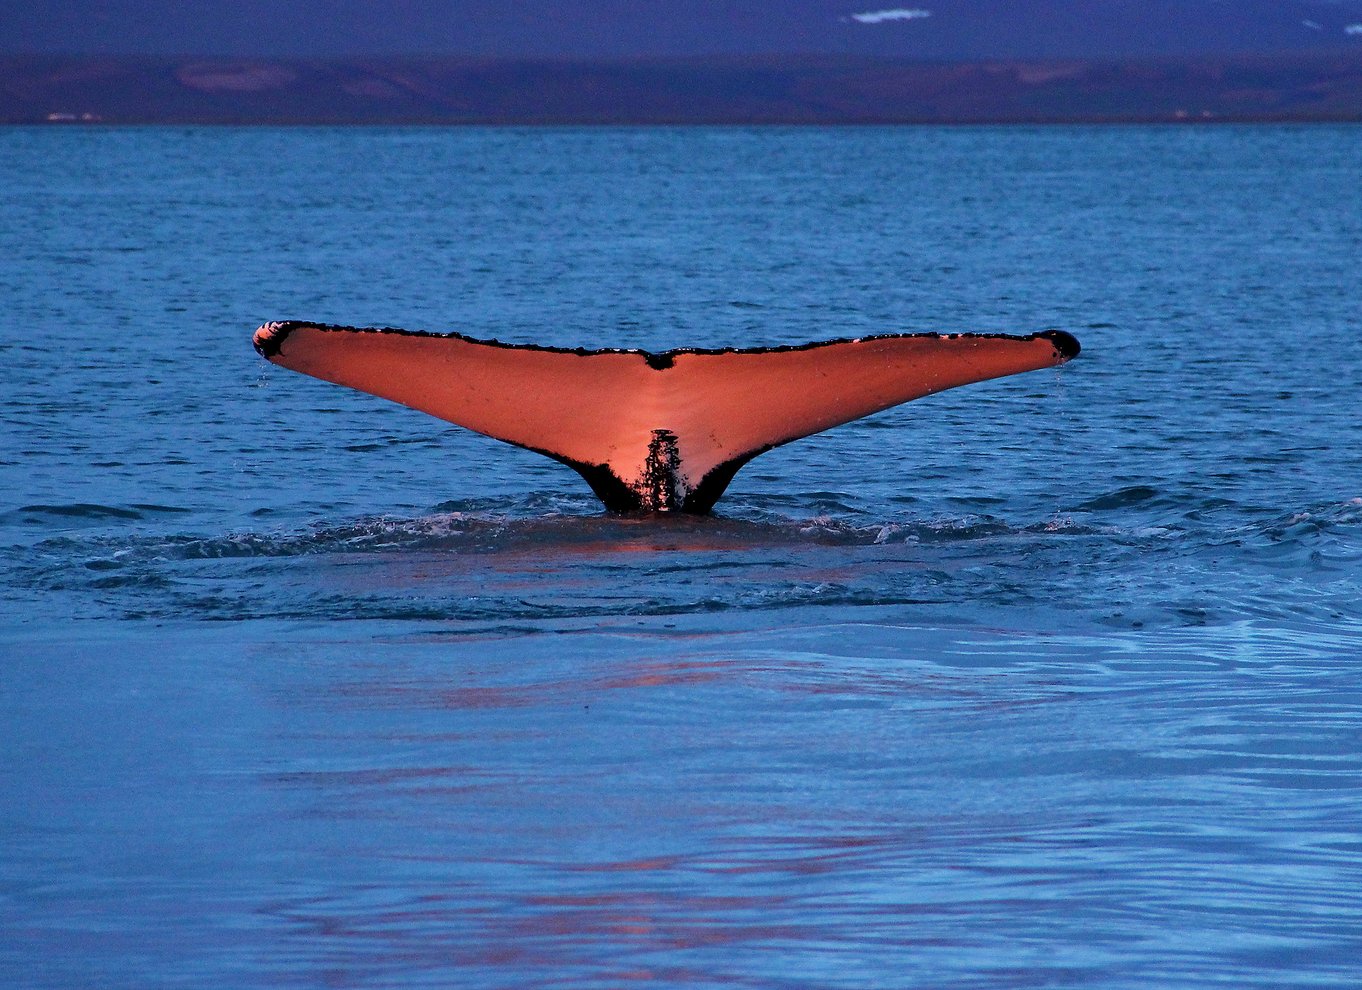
(717,89)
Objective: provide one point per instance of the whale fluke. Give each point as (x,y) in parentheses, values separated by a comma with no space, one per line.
(651,431)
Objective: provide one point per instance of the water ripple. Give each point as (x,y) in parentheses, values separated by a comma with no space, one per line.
(472,562)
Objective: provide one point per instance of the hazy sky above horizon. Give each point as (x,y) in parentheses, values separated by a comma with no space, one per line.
(931,29)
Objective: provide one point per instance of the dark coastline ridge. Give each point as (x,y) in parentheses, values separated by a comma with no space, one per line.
(69,89)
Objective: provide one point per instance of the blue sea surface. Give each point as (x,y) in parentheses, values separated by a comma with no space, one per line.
(1051,681)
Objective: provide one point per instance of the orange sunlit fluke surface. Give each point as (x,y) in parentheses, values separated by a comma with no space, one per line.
(655,432)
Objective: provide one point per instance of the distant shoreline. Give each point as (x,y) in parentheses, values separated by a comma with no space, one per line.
(414,125)
(737,91)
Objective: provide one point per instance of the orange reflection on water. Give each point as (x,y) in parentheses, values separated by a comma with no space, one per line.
(641,674)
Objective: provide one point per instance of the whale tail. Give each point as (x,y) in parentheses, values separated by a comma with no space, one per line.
(651,431)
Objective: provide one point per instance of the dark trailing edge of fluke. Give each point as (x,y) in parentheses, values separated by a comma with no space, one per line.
(269,339)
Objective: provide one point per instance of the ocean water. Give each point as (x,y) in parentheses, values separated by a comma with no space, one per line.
(1045,682)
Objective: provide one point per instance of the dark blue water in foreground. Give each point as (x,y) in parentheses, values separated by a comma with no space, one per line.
(1045,682)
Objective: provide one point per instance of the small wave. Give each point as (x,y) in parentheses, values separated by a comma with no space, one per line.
(1120,499)
(1321,534)
(77,510)
(1327,519)
(86,511)
(1329,515)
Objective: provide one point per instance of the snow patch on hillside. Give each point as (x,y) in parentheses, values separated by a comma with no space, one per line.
(896,14)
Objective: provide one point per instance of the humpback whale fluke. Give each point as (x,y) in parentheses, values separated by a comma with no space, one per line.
(652,431)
